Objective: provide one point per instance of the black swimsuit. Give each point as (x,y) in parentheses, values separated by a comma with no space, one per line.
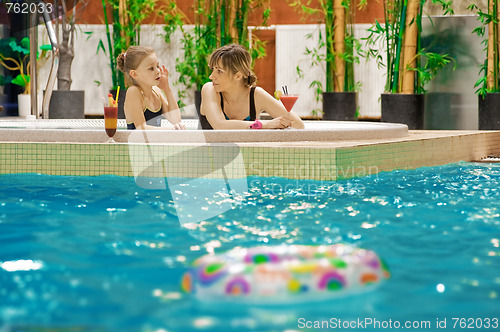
(153,118)
(253,114)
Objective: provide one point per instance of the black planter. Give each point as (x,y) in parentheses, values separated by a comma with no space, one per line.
(489,111)
(339,106)
(203,123)
(197,101)
(439,111)
(121,102)
(404,108)
(67,104)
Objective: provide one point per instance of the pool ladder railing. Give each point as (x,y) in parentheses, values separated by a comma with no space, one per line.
(33,52)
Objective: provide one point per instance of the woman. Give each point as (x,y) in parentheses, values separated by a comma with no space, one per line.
(232,101)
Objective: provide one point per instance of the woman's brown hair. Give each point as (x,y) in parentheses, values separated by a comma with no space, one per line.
(234,58)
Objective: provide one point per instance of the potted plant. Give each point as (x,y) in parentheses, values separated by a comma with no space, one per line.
(408,65)
(64,102)
(489,83)
(126,19)
(338,50)
(216,23)
(14,56)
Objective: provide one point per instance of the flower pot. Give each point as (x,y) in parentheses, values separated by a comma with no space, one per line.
(489,111)
(67,104)
(339,106)
(24,105)
(121,102)
(404,108)
(439,113)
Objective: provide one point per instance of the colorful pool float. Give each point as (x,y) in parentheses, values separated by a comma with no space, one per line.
(284,274)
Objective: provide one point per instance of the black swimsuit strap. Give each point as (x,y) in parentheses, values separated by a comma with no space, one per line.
(253,112)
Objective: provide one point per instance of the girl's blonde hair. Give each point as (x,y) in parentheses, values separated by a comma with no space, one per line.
(234,58)
(130,60)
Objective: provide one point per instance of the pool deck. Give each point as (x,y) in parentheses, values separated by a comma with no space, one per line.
(91,131)
(84,152)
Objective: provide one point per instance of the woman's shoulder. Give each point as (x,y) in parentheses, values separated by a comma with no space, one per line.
(258,89)
(209,86)
(260,93)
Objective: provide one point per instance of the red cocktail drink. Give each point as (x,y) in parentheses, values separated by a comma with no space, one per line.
(288,101)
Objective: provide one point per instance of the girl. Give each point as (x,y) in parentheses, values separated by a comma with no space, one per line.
(231,100)
(149,95)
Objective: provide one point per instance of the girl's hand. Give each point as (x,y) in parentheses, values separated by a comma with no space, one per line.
(179,126)
(164,85)
(280,122)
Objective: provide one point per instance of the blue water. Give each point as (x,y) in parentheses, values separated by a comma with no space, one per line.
(103,254)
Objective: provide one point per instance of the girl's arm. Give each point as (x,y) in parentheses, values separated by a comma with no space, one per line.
(170,107)
(210,107)
(275,109)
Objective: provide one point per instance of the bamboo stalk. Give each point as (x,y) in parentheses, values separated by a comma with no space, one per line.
(122,17)
(389,9)
(497,46)
(339,44)
(490,75)
(244,9)
(410,48)
(349,82)
(110,45)
(399,43)
(232,31)
(327,6)
(387,45)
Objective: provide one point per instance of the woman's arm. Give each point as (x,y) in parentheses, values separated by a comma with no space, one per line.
(264,101)
(210,107)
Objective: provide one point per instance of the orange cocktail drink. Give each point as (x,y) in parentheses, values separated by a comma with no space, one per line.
(110,120)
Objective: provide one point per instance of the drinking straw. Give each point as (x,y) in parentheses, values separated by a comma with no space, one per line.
(117,94)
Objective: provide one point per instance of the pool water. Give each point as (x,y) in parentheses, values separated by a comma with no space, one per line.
(103,254)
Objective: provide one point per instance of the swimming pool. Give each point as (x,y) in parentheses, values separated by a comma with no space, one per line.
(103,254)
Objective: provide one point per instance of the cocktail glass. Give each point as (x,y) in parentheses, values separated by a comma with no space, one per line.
(288,101)
(110,121)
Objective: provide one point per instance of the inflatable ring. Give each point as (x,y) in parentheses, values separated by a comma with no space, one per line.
(284,274)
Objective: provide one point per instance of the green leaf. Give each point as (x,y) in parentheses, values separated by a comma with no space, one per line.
(19,48)
(100,46)
(25,43)
(18,80)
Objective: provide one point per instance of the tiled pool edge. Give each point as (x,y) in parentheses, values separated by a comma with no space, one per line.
(413,153)
(305,160)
